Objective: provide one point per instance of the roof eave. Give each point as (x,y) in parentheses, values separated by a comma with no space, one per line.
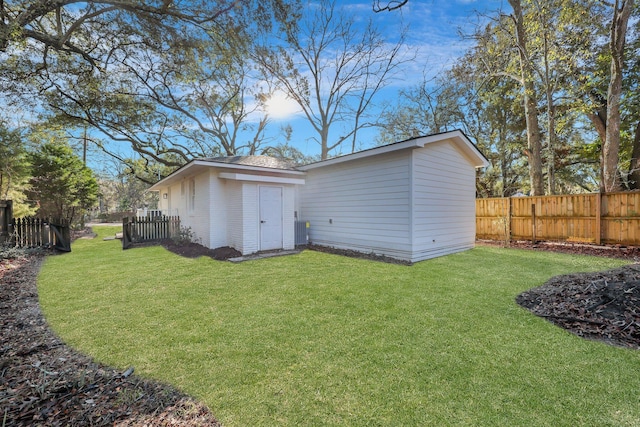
(212,164)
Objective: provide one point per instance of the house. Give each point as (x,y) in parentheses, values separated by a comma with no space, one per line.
(411,200)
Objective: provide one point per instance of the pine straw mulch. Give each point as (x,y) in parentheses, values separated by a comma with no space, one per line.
(45,383)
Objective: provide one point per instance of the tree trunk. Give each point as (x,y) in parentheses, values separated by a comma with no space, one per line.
(611,145)
(530,104)
(551,123)
(634,167)
(599,121)
(324,143)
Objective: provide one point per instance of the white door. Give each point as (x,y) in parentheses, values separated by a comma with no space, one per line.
(270,218)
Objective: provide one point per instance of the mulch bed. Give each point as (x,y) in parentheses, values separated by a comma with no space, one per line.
(45,383)
(603,306)
(356,254)
(195,250)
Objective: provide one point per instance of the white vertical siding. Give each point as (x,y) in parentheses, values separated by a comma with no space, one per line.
(234,222)
(362,204)
(226,211)
(250,219)
(443,201)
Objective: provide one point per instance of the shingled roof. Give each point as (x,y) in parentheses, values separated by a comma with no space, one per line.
(260,161)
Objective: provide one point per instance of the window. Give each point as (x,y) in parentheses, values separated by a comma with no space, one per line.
(192,195)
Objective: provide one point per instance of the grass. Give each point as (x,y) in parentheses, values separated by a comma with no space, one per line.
(319,339)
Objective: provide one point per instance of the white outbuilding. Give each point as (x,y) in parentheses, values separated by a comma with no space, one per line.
(411,200)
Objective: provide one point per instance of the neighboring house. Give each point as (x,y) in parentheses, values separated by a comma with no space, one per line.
(411,200)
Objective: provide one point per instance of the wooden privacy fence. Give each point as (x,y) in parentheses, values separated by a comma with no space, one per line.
(589,218)
(148,229)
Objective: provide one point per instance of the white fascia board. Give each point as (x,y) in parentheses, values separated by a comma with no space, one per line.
(261,178)
(175,174)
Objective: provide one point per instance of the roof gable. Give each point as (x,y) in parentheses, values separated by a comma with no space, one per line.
(457,137)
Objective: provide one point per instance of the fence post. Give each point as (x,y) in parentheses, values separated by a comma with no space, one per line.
(126,233)
(533,223)
(598,227)
(6,219)
(509,218)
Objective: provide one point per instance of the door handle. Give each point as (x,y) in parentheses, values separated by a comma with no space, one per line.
(262,221)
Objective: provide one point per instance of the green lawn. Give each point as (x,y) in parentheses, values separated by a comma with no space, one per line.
(319,339)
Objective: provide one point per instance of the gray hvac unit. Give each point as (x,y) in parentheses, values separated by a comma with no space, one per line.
(302,233)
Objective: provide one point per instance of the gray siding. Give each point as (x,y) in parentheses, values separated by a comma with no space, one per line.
(362,205)
(443,201)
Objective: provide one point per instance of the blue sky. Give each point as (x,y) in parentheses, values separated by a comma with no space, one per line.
(433,37)
(434,28)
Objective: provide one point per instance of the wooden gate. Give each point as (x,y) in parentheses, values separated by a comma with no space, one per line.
(41,233)
(33,232)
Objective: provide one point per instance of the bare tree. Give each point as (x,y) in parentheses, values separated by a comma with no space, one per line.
(534,152)
(332,70)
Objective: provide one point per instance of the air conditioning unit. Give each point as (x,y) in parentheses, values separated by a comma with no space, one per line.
(302,233)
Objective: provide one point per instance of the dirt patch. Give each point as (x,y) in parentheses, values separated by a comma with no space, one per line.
(45,383)
(601,306)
